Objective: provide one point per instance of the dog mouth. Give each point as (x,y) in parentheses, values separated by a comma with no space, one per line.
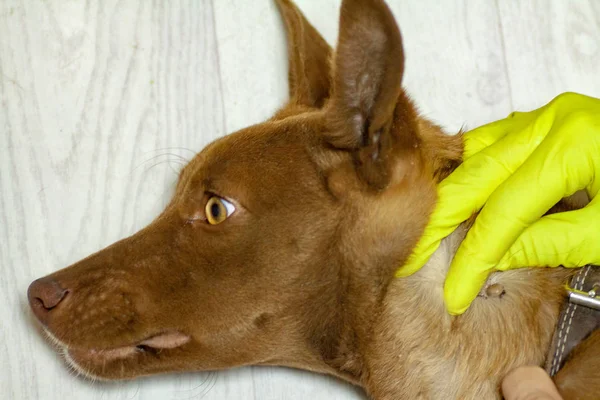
(84,359)
(153,345)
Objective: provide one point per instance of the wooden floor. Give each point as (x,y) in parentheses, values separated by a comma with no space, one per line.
(101,101)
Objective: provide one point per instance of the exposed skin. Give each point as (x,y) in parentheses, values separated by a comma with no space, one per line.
(330,196)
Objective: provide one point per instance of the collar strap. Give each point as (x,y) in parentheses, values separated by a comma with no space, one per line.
(580,316)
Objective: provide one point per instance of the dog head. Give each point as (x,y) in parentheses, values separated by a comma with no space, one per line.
(279,237)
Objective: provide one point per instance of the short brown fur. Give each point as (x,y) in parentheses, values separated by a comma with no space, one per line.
(332,194)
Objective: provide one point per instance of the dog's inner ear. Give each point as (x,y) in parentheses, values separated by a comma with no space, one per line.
(308,53)
(368,113)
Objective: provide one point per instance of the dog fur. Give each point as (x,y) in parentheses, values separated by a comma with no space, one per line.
(331,196)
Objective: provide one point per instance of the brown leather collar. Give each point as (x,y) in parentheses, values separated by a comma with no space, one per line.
(579,317)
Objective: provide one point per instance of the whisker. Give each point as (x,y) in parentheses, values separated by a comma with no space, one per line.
(162,162)
(177,162)
(172,148)
(209,388)
(203,382)
(175,155)
(158,156)
(137,390)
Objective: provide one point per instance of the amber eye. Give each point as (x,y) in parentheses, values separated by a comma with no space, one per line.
(217,210)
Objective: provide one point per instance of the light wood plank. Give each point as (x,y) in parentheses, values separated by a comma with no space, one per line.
(91,94)
(552,47)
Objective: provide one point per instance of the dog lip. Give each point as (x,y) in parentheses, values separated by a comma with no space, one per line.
(168,340)
(155,343)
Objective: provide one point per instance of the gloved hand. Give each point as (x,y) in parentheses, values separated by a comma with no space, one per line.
(516,169)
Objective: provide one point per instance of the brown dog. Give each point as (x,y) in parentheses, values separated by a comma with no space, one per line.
(281,242)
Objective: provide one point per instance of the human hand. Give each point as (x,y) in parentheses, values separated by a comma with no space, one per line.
(514,171)
(529,383)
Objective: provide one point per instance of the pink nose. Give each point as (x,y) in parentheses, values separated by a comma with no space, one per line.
(44,295)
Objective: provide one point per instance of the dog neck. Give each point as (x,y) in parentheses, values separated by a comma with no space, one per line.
(353,302)
(363,316)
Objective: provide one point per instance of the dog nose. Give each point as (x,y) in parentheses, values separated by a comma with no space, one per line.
(45,294)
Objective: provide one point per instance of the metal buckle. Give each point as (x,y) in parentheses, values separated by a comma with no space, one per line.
(589,299)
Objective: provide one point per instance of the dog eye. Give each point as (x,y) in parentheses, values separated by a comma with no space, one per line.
(217,210)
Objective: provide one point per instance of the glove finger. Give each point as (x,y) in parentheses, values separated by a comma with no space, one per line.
(568,239)
(462,286)
(467,189)
(557,168)
(484,136)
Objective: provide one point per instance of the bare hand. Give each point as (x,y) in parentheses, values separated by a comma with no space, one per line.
(529,383)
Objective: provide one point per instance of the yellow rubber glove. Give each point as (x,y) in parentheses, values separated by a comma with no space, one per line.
(514,171)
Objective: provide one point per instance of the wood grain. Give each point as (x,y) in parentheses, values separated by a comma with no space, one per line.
(101,102)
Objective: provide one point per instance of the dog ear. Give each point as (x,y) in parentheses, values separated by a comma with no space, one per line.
(309,55)
(369,114)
